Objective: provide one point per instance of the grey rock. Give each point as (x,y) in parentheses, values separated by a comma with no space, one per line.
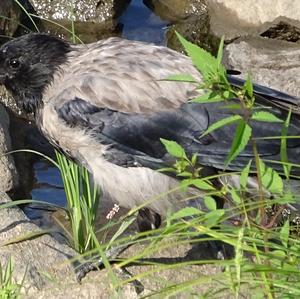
(83,10)
(8,173)
(97,288)
(270,62)
(10,103)
(228,17)
(175,10)
(15,19)
(33,257)
(188,17)
(44,263)
(282,29)
(10,14)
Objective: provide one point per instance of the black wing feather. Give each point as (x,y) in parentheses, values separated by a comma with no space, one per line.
(134,139)
(274,96)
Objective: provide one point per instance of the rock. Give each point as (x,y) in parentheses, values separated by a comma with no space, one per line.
(14,18)
(10,103)
(282,29)
(195,29)
(21,134)
(35,256)
(10,17)
(234,18)
(99,287)
(85,32)
(83,10)
(176,10)
(270,62)
(93,19)
(46,263)
(8,172)
(189,17)
(171,253)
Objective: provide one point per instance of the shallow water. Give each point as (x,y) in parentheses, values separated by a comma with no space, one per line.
(139,23)
(48,187)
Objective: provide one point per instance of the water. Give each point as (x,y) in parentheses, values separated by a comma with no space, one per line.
(49,188)
(139,23)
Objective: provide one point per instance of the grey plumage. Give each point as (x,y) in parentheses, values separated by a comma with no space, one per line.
(106,104)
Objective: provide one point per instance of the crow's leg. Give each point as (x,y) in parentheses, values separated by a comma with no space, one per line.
(207,249)
(87,267)
(146,220)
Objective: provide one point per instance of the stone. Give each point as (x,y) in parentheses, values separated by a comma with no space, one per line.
(175,10)
(270,62)
(235,18)
(10,17)
(35,256)
(8,172)
(83,10)
(44,263)
(190,18)
(15,19)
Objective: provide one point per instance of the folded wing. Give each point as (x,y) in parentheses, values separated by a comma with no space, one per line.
(134,138)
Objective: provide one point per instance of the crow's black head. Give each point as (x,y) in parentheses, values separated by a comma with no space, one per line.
(27,65)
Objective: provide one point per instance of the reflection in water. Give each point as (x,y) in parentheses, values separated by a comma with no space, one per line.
(140,23)
(48,188)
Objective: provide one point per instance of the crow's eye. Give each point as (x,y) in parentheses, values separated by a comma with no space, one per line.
(14,63)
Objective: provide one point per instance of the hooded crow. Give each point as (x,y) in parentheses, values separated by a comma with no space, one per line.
(106,105)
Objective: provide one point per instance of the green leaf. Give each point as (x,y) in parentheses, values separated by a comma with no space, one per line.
(283,145)
(181,78)
(232,106)
(240,140)
(221,123)
(279,253)
(266,117)
(194,159)
(227,94)
(245,175)
(185,174)
(210,203)
(213,217)
(201,184)
(185,212)
(248,86)
(271,180)
(173,148)
(210,97)
(220,53)
(202,60)
(235,196)
(285,233)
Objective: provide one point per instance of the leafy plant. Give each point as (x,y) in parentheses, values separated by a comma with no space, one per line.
(254,214)
(82,202)
(218,88)
(9,289)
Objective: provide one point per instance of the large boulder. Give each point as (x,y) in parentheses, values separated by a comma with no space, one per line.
(235,18)
(10,17)
(33,257)
(80,10)
(175,10)
(8,172)
(270,62)
(188,17)
(44,263)
(15,19)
